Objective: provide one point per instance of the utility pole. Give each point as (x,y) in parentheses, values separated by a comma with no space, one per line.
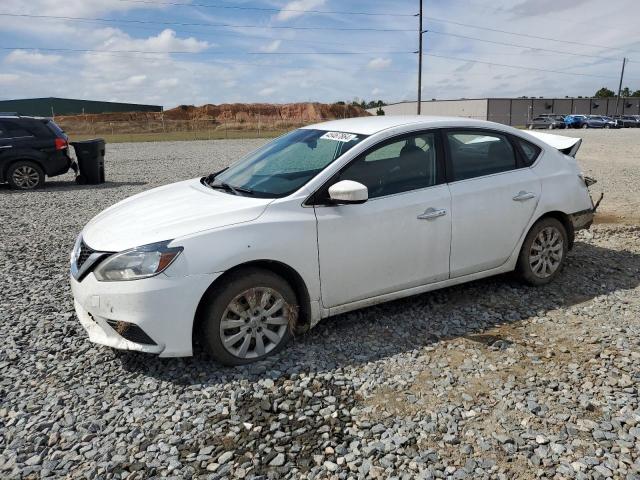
(420,59)
(624,61)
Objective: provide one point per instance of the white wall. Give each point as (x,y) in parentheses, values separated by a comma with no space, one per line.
(449,108)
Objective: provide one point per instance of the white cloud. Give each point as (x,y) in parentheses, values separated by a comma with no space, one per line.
(6,78)
(271,47)
(265,92)
(376,91)
(136,80)
(26,57)
(167,83)
(297,8)
(379,63)
(165,41)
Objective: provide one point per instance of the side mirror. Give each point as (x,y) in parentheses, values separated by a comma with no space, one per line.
(347,192)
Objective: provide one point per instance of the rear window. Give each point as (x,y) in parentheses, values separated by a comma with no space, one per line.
(529,150)
(56,129)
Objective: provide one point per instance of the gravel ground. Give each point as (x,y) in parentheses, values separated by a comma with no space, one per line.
(486,380)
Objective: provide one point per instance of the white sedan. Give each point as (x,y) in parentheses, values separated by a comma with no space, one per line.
(323,220)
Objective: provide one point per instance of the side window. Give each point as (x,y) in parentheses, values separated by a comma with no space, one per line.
(398,166)
(476,154)
(529,150)
(14,130)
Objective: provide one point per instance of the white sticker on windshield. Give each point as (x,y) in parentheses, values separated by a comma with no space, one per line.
(339,136)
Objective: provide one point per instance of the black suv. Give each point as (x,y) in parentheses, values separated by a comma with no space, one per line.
(30,148)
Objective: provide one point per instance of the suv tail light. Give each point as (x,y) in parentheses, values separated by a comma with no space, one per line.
(61,143)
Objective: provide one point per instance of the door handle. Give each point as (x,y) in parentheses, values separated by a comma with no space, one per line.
(522,196)
(431,213)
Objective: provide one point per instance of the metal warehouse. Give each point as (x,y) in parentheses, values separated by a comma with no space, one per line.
(515,111)
(52,106)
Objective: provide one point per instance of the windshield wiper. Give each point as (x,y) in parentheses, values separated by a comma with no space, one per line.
(230,188)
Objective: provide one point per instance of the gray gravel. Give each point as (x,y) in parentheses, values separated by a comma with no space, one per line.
(486,380)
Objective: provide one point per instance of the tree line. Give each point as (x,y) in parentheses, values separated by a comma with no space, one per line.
(605,92)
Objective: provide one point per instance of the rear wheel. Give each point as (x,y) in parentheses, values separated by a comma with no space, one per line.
(249,318)
(543,252)
(25,175)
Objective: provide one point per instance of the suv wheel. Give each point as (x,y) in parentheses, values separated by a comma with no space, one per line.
(543,252)
(25,175)
(248,318)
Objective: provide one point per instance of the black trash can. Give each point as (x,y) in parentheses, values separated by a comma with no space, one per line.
(90,155)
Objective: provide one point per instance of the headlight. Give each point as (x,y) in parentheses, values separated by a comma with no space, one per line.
(75,253)
(137,263)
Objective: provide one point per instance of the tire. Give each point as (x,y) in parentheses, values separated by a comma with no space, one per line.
(550,127)
(25,175)
(229,305)
(549,237)
(584,125)
(530,127)
(607,126)
(81,179)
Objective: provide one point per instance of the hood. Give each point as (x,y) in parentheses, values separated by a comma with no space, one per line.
(166,213)
(567,145)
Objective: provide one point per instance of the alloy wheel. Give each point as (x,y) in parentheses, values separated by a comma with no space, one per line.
(26,177)
(545,254)
(254,322)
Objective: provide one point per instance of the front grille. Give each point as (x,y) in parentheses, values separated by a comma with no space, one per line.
(131,332)
(85,252)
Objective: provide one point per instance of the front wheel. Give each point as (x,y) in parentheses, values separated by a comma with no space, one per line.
(607,126)
(249,318)
(585,125)
(543,252)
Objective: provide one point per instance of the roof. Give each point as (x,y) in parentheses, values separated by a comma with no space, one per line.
(371,125)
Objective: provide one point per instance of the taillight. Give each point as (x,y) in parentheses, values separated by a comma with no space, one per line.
(61,143)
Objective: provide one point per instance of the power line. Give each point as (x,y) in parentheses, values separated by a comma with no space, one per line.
(270,9)
(192,24)
(435,55)
(520,34)
(185,52)
(521,67)
(522,46)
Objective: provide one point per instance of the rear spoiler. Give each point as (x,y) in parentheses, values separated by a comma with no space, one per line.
(567,145)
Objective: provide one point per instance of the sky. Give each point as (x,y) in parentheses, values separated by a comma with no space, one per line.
(172,52)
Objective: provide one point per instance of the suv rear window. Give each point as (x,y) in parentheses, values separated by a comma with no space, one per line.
(56,129)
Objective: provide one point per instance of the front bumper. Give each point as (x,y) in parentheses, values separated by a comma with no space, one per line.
(163,307)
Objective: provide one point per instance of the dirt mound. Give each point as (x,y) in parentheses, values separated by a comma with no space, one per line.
(232,112)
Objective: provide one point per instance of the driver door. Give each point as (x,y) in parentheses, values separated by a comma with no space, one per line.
(400,237)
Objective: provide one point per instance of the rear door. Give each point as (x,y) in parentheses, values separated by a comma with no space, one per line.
(6,145)
(493,197)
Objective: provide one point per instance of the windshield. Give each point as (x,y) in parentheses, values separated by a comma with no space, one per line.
(284,165)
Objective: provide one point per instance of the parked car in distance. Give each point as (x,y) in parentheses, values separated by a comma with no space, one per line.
(326,219)
(575,121)
(548,121)
(599,121)
(626,121)
(30,149)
